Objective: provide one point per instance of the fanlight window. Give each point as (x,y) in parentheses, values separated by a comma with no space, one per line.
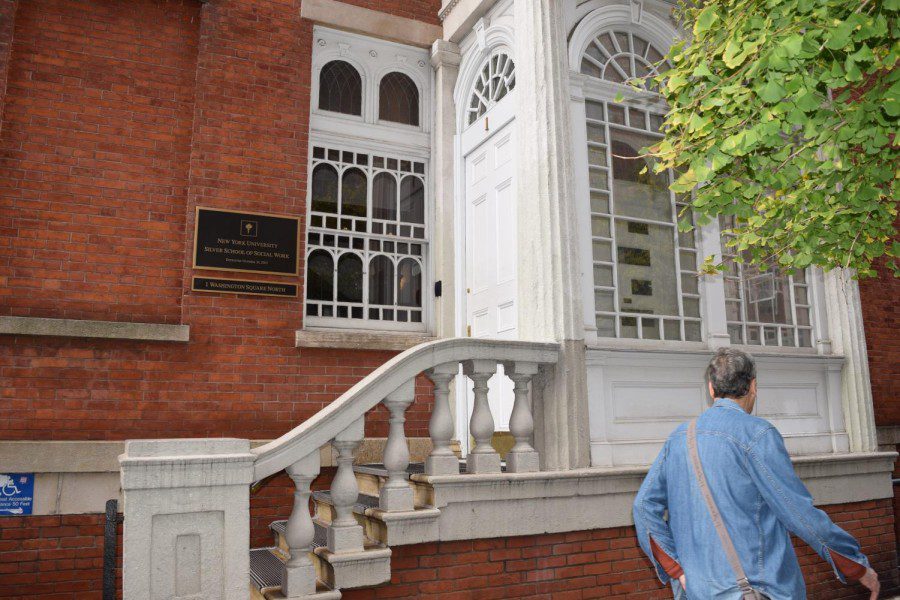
(340,88)
(496,80)
(398,99)
(620,56)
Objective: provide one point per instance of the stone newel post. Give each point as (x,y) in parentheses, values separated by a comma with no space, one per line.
(187,519)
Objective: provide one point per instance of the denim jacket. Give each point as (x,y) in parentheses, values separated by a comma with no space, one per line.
(760,497)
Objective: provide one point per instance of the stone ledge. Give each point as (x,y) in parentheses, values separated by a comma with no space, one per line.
(46,456)
(479,506)
(116,330)
(359,340)
(370,22)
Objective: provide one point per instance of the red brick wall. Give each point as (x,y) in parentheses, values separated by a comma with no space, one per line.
(120,118)
(881,316)
(62,558)
(54,557)
(595,564)
(7,18)
(94,148)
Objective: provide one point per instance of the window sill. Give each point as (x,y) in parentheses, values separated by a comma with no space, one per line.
(629,345)
(359,340)
(115,330)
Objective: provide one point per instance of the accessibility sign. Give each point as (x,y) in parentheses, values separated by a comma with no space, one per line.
(16,493)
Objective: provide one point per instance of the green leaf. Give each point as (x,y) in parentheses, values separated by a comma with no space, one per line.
(705,20)
(771,92)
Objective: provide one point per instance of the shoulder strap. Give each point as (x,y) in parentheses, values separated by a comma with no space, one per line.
(730,552)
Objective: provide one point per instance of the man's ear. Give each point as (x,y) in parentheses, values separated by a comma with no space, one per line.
(712,392)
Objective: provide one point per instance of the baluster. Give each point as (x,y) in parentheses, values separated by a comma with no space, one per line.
(483,458)
(344,533)
(396,494)
(298,575)
(522,458)
(442,460)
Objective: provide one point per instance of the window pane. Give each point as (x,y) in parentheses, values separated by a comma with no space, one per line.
(384,197)
(646,270)
(766,295)
(412,200)
(324,189)
(636,194)
(381,281)
(340,88)
(320,276)
(398,99)
(353,193)
(409,283)
(350,278)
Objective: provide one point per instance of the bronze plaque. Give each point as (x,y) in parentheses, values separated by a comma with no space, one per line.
(227,240)
(239,286)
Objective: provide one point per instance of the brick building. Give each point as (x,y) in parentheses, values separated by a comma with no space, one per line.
(438,174)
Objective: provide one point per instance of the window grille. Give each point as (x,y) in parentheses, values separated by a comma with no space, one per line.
(620,57)
(366,238)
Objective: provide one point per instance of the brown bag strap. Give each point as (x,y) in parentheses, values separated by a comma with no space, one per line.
(730,552)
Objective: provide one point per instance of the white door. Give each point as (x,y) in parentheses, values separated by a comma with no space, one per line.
(490,217)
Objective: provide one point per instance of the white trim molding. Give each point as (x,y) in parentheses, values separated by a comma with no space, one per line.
(370,22)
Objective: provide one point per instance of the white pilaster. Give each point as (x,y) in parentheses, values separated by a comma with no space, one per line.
(549,276)
(445,59)
(712,287)
(845,325)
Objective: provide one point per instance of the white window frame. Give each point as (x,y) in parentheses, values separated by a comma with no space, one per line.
(714,324)
(366,133)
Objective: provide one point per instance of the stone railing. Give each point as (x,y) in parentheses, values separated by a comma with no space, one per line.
(156,474)
(341,424)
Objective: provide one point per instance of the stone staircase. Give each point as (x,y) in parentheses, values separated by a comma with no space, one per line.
(381,529)
(345,543)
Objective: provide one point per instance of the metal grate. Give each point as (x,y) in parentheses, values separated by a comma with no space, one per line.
(265,569)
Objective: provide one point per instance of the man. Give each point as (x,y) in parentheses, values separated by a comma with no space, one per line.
(761,499)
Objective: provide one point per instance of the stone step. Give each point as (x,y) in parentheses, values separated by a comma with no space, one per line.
(342,570)
(265,577)
(371,477)
(395,528)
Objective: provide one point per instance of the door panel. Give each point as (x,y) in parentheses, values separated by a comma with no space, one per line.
(491,309)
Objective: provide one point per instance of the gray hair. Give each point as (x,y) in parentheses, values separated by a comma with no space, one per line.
(731,372)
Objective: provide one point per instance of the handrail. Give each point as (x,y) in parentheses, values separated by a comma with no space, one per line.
(322,427)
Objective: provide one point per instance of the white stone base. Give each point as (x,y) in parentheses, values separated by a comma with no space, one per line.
(298,581)
(442,465)
(345,538)
(487,462)
(396,499)
(523,462)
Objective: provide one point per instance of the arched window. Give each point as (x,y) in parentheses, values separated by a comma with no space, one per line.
(645,284)
(381,281)
(398,99)
(496,80)
(620,56)
(412,200)
(320,276)
(409,283)
(340,88)
(353,193)
(325,189)
(384,197)
(349,288)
